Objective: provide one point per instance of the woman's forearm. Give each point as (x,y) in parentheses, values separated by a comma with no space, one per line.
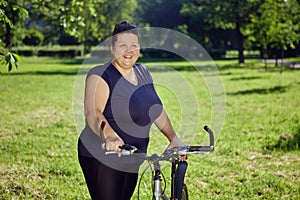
(163,123)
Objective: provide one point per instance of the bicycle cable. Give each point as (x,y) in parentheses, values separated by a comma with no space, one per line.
(139,184)
(142,175)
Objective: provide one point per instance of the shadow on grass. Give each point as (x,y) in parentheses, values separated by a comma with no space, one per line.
(276,89)
(246,78)
(181,68)
(66,72)
(287,142)
(239,66)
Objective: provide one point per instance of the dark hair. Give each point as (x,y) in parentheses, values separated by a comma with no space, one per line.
(124,26)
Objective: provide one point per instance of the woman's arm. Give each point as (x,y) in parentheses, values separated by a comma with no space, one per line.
(163,123)
(95,99)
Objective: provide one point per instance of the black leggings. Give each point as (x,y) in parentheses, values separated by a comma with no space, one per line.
(105,183)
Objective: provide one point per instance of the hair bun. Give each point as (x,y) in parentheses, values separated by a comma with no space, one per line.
(124,22)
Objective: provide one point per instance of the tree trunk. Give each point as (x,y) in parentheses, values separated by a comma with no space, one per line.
(240,41)
(8,36)
(266,57)
(13,15)
(282,64)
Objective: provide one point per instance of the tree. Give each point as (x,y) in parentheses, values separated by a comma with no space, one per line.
(10,13)
(160,13)
(214,40)
(92,20)
(228,15)
(275,24)
(262,25)
(286,32)
(44,18)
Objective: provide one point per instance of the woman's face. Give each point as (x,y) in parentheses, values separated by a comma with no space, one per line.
(126,50)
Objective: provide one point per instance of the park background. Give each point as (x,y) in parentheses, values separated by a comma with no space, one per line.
(255,45)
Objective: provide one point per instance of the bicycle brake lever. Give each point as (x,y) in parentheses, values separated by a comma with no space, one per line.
(175,151)
(129,148)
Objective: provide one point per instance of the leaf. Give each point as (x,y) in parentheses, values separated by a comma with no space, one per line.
(10,59)
(23,10)
(7,58)
(17,57)
(9,66)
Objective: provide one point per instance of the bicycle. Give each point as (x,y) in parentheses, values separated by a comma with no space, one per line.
(179,189)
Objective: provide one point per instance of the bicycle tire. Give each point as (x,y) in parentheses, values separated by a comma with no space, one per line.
(179,181)
(184,194)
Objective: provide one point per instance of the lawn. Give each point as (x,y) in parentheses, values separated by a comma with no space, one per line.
(257,152)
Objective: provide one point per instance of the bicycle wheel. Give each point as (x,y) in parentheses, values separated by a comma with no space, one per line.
(184,194)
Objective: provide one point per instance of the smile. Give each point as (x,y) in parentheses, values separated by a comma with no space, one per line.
(128,57)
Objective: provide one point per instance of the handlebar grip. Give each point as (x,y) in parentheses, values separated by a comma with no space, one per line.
(200,148)
(211,136)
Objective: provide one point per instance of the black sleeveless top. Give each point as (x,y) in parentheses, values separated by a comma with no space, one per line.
(130,110)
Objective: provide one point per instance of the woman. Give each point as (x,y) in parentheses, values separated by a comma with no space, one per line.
(121,95)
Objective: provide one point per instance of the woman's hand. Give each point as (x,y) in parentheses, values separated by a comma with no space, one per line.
(176,142)
(113,143)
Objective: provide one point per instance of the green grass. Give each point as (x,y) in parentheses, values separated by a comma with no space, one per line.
(256,156)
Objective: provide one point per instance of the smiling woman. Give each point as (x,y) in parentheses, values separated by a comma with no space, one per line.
(120,102)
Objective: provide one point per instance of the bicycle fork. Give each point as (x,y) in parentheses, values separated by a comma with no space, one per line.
(157,179)
(177,179)
(157,185)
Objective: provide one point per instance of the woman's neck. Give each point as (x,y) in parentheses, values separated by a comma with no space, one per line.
(127,73)
(123,71)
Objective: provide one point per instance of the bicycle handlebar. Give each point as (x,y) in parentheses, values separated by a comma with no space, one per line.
(174,152)
(211,136)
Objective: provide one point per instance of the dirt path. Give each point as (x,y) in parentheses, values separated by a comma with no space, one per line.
(292,65)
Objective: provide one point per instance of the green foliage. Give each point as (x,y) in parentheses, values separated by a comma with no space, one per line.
(287,30)
(228,15)
(8,58)
(160,13)
(8,5)
(221,14)
(92,20)
(33,37)
(276,24)
(10,12)
(3,17)
(273,23)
